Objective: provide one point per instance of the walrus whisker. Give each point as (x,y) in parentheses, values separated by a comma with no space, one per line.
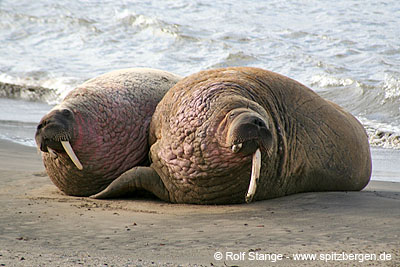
(269,152)
(255,175)
(62,137)
(67,146)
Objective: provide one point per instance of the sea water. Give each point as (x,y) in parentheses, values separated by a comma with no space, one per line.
(347,51)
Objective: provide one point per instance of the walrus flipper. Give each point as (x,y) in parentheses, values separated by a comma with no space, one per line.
(137,178)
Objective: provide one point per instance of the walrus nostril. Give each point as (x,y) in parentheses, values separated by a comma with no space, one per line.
(42,124)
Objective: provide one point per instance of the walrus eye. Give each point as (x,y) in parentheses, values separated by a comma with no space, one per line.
(232,115)
(66,112)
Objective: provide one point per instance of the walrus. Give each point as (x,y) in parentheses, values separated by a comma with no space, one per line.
(100,130)
(241,134)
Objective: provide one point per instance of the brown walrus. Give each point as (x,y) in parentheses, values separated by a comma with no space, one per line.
(240,134)
(100,130)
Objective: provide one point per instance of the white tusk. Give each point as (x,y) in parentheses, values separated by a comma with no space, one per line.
(236,148)
(52,153)
(255,175)
(67,146)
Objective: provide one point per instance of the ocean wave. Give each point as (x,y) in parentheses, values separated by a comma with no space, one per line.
(139,22)
(36,87)
(26,92)
(23,25)
(324,81)
(381,134)
(391,87)
(19,140)
(383,139)
(18,131)
(235,59)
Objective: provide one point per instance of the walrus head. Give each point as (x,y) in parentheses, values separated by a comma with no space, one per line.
(55,132)
(246,132)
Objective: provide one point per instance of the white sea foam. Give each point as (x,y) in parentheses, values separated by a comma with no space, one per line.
(22,141)
(325,80)
(382,134)
(58,87)
(140,22)
(391,87)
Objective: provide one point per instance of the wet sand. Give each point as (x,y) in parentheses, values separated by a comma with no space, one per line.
(40,226)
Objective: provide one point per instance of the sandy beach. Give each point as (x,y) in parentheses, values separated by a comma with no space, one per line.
(40,226)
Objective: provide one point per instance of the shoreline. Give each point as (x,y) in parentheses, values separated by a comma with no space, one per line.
(41,226)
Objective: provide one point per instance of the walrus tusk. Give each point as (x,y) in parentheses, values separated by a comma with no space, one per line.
(255,175)
(67,146)
(52,153)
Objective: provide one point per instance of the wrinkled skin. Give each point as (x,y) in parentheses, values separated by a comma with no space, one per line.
(206,129)
(106,121)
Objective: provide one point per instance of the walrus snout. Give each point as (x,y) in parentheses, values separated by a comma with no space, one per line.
(54,127)
(247,131)
(54,133)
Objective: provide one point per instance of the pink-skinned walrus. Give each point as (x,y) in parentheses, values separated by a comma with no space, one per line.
(240,134)
(100,130)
